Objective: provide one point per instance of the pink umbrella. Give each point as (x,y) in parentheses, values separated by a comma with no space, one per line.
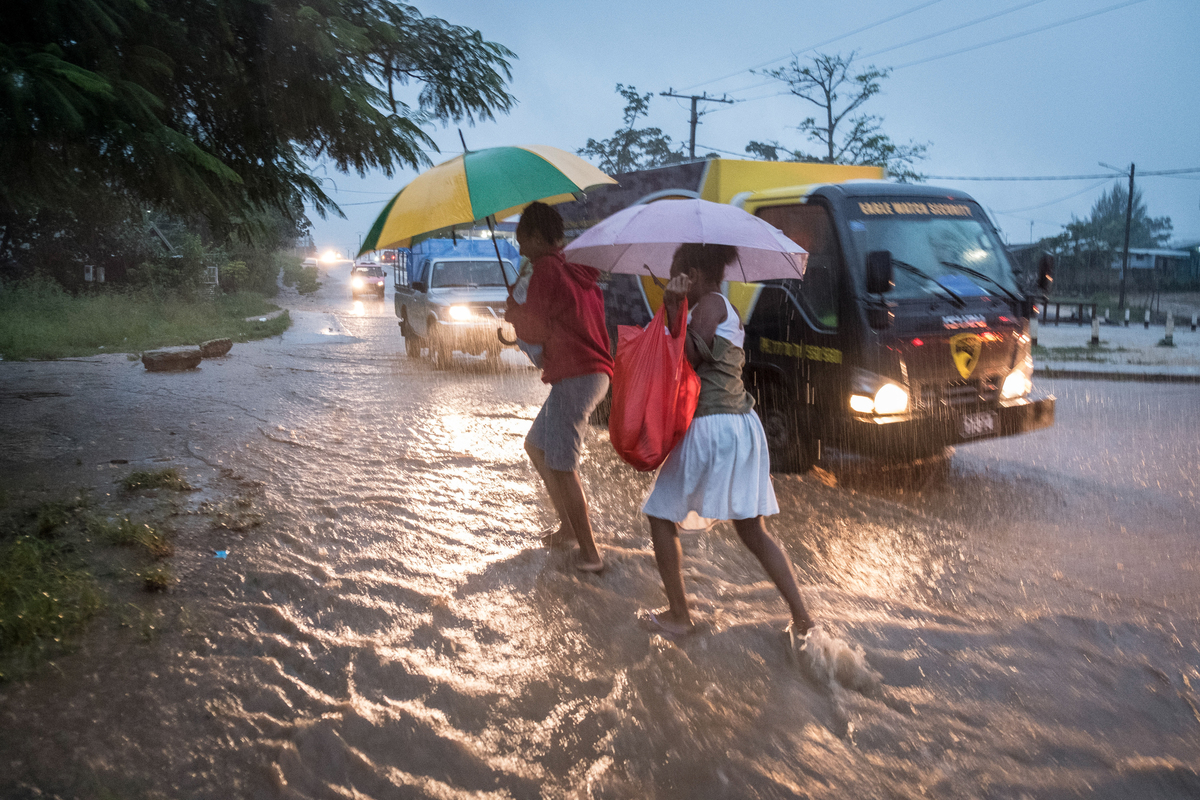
(642,239)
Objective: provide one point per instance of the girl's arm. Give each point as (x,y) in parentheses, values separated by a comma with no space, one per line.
(707,314)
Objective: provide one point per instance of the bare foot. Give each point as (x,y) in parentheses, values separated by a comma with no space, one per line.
(664,622)
(560,539)
(592,567)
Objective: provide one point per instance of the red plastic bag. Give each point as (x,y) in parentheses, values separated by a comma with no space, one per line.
(654,391)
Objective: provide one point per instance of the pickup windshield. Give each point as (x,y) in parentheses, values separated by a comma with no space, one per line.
(949,246)
(462,274)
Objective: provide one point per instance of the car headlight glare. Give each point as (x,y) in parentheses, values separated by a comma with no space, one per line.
(1017,384)
(357,283)
(861,403)
(891,399)
(459,313)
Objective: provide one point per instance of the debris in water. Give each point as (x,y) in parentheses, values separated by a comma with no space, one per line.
(220,553)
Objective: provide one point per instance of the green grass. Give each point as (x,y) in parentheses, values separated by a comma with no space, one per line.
(46,592)
(157,479)
(38,320)
(124,532)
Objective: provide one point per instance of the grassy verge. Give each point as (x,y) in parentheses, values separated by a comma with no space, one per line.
(38,320)
(64,563)
(1084,353)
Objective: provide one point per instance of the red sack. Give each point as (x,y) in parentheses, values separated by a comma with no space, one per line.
(654,391)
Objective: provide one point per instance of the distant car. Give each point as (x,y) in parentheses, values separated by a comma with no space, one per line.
(367,278)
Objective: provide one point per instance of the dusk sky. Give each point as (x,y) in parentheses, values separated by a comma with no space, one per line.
(1024,88)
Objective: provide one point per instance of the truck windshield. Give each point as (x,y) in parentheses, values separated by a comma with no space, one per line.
(448,274)
(949,247)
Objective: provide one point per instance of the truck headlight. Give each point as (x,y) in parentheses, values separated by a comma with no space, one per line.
(886,400)
(459,313)
(1017,384)
(357,283)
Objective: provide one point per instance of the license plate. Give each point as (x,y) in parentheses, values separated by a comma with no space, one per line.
(978,424)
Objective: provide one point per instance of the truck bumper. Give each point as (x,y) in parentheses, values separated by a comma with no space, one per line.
(475,337)
(916,434)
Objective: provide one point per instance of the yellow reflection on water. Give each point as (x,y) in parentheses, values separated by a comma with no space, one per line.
(488,438)
(358,309)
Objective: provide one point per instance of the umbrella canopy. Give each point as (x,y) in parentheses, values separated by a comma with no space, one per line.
(642,239)
(496,182)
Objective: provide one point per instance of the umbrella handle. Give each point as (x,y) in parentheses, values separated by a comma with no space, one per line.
(499,260)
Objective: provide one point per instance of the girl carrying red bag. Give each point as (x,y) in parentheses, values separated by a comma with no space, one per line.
(720,469)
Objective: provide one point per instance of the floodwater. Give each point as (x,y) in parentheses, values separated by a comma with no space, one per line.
(1027,625)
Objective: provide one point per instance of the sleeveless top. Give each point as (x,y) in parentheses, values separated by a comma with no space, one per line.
(720,368)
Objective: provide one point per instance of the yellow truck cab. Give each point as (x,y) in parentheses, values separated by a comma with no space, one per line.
(908,333)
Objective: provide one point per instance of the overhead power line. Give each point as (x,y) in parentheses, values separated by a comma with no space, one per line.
(944,31)
(1029,32)
(815,46)
(1059,177)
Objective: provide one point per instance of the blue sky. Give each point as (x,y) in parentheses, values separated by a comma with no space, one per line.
(1067,88)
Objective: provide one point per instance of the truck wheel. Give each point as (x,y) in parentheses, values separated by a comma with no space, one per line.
(441,351)
(793,449)
(412,342)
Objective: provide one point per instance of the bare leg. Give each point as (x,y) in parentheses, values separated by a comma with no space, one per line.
(753,533)
(565,534)
(668,554)
(566,495)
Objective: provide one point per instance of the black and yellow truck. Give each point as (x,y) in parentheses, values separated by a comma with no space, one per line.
(908,334)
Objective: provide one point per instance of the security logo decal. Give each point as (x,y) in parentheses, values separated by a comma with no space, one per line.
(965,349)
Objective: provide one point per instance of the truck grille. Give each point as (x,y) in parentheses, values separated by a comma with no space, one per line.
(933,396)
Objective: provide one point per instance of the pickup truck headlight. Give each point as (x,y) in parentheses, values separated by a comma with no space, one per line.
(459,313)
(357,283)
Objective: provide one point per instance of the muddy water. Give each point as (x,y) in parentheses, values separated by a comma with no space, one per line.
(1025,626)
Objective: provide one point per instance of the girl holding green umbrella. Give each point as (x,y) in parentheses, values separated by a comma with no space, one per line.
(563,312)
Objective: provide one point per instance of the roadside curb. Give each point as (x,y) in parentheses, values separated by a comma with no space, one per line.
(1107,375)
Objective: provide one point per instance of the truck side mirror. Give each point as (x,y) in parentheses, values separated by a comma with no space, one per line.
(420,286)
(1045,272)
(879,272)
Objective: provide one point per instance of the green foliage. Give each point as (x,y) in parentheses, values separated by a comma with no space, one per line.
(124,532)
(210,112)
(302,277)
(1104,229)
(218,106)
(829,83)
(46,594)
(632,148)
(156,479)
(39,320)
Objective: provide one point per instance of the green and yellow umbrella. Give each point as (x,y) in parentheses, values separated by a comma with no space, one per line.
(493,183)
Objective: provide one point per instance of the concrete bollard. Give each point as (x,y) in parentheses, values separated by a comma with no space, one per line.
(1095,331)
(1033,330)
(1170,340)
(1194,323)
(1147,319)
(1106,316)
(1127,318)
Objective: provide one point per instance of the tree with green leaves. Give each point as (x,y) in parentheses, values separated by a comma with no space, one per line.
(845,137)
(217,109)
(632,148)
(1104,229)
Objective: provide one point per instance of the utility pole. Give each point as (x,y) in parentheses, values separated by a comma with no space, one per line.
(695,98)
(1125,254)
(1128,225)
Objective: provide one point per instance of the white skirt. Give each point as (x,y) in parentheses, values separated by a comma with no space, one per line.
(719,470)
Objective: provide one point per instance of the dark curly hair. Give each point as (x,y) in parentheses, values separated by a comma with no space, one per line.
(542,220)
(709,260)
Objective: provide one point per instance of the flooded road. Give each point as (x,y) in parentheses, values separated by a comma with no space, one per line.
(1027,626)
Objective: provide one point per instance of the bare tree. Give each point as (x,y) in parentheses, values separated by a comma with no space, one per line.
(830,83)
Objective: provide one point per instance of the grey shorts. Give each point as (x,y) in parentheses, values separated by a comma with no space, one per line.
(560,426)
